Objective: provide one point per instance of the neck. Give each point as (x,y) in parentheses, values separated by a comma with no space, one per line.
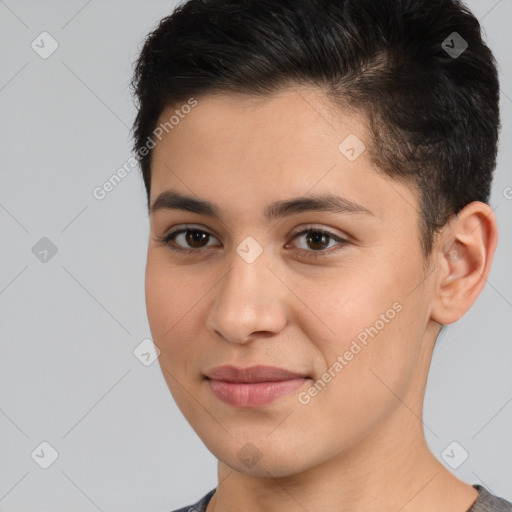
(393,470)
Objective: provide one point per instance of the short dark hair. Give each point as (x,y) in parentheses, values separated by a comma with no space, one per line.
(433,116)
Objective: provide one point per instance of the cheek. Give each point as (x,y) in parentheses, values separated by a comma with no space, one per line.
(379,327)
(169,292)
(170,301)
(373,323)
(347,305)
(172,304)
(363,369)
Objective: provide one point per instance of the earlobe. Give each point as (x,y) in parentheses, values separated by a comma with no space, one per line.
(465,252)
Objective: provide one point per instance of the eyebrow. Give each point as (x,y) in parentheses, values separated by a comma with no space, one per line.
(171,200)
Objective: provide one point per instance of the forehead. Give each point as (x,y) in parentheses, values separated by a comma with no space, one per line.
(282,123)
(236,148)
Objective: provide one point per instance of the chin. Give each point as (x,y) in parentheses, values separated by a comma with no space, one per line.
(262,459)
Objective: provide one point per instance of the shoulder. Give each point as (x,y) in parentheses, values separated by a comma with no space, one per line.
(200,506)
(487,502)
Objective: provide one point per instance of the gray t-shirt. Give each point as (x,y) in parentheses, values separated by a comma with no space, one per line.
(486,502)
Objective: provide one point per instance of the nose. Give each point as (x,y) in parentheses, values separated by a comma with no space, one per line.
(249,301)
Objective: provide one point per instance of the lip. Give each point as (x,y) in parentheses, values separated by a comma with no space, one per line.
(259,373)
(252,386)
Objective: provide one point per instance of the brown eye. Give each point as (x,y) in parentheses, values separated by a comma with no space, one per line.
(187,239)
(317,241)
(196,238)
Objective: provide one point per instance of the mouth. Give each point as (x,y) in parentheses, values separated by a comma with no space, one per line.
(253,386)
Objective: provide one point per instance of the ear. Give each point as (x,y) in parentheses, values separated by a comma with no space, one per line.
(465,251)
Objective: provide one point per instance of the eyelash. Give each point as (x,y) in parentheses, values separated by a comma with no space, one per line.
(168,238)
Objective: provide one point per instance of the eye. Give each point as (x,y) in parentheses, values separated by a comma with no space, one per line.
(318,240)
(195,238)
(192,240)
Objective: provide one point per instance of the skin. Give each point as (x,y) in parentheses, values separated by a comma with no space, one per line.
(359,444)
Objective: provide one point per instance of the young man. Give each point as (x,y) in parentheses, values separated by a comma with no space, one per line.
(317,175)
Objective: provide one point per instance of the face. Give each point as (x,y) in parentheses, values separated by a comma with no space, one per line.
(344,305)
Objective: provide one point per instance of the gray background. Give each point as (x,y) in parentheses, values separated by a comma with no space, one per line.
(69,326)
